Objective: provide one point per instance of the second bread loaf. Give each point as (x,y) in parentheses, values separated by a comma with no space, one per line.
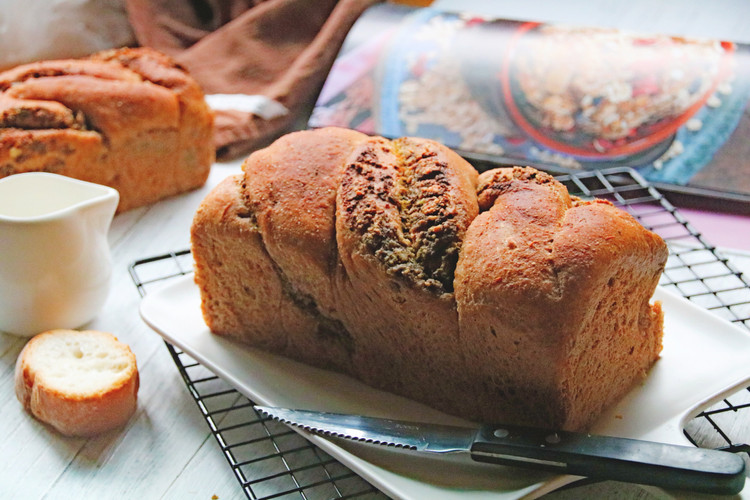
(130,119)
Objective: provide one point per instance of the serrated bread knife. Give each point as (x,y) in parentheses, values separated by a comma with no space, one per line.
(580,454)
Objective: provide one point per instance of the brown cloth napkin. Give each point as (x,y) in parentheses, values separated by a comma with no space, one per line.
(280,49)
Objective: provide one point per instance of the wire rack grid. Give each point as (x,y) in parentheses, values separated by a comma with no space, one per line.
(271,461)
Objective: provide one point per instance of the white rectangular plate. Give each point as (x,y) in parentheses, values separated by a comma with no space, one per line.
(705,359)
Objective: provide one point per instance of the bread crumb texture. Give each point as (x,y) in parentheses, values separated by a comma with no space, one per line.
(79,382)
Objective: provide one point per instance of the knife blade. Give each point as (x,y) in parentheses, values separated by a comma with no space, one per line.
(581,454)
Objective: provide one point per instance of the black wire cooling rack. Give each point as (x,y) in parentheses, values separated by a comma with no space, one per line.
(272,461)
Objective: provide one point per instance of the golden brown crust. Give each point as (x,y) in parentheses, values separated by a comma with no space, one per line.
(291,188)
(495,297)
(225,232)
(553,294)
(65,67)
(140,122)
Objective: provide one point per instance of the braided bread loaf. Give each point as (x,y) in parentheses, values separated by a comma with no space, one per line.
(495,297)
(130,119)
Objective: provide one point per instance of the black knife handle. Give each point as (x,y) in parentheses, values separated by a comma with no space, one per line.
(619,459)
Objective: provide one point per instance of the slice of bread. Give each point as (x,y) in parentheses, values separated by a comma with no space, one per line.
(82,383)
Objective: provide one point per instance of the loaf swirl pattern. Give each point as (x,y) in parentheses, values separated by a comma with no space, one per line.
(129,118)
(495,297)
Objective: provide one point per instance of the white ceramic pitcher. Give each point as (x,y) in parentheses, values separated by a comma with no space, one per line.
(55,264)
